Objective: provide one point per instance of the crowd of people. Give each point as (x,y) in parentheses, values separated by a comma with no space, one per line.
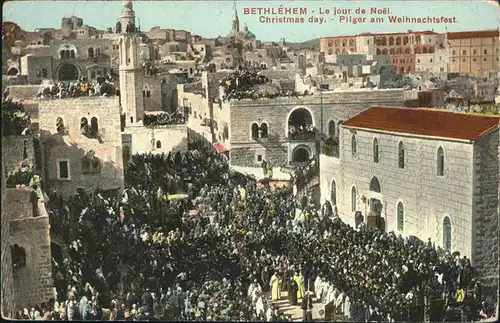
(147,255)
(244,84)
(163,119)
(102,86)
(304,132)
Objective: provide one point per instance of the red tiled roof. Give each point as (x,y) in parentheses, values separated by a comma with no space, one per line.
(219,147)
(426,122)
(473,34)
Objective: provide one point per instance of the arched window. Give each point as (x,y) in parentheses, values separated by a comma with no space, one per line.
(384,51)
(375,185)
(25,149)
(72,54)
(84,125)
(401,155)
(158,144)
(255,131)
(392,51)
(447,233)
(353,199)
(331,128)
(424,50)
(91,52)
(60,125)
(91,164)
(353,145)
(440,162)
(18,257)
(384,41)
(398,41)
(375,151)
(333,193)
(264,130)
(391,41)
(94,126)
(401,216)
(67,53)
(408,51)
(378,51)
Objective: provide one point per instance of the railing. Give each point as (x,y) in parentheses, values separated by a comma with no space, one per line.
(302,135)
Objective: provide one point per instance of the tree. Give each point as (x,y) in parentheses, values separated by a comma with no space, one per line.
(15,120)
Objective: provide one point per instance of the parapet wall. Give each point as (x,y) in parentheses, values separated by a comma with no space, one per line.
(33,281)
(23,92)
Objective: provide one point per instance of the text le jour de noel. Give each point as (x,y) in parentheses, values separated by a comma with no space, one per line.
(282,14)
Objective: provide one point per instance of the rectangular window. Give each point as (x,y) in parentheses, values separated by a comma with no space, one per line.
(259,158)
(148,94)
(441,69)
(44,72)
(63,169)
(38,73)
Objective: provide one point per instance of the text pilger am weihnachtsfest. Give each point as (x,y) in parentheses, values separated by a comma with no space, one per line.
(422,20)
(275,11)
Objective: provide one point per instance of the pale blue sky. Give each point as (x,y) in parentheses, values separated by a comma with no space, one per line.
(212,18)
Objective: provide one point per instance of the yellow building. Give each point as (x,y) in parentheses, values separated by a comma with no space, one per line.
(474,52)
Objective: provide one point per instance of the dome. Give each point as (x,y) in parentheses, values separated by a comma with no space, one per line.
(127,4)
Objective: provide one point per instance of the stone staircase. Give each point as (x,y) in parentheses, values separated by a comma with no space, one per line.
(295,312)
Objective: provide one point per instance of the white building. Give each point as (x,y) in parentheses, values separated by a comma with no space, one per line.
(436,62)
(428,173)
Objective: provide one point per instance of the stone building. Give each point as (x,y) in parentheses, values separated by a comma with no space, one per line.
(427,173)
(25,219)
(8,298)
(436,63)
(82,144)
(474,52)
(260,129)
(137,97)
(402,46)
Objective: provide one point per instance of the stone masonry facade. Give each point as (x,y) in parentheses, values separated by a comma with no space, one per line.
(337,107)
(485,206)
(8,299)
(467,194)
(72,145)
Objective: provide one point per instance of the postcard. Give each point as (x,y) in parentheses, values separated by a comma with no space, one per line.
(250,160)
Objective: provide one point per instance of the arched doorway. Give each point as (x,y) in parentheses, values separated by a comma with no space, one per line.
(68,72)
(12,71)
(300,154)
(300,124)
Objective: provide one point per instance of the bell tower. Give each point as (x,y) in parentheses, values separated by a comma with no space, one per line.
(235,27)
(130,71)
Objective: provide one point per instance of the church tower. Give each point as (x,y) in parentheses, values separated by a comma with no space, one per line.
(236,23)
(130,70)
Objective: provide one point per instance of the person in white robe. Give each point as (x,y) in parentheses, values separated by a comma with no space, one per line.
(318,287)
(339,302)
(260,306)
(347,307)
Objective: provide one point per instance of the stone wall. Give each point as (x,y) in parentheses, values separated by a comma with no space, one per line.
(145,140)
(13,148)
(427,198)
(72,145)
(23,92)
(8,300)
(486,207)
(33,282)
(337,106)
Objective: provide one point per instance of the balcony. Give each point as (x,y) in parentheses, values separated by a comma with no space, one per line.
(307,133)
